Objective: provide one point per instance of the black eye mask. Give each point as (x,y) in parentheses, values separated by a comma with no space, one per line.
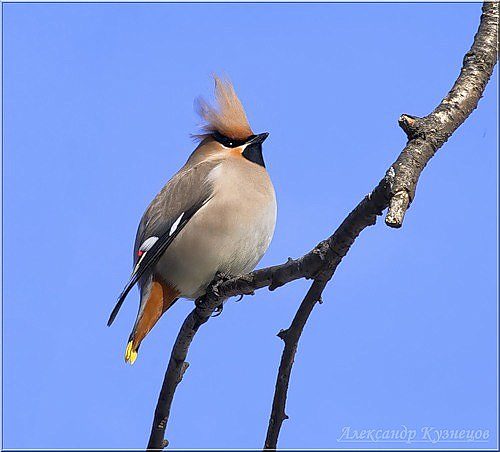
(230,142)
(252,152)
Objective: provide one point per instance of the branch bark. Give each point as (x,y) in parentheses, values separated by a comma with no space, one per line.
(395,191)
(426,135)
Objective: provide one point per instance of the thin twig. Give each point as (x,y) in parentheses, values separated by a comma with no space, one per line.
(291,338)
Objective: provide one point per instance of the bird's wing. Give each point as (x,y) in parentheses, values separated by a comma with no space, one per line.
(165,217)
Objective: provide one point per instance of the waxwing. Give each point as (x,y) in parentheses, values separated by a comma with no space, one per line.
(215,215)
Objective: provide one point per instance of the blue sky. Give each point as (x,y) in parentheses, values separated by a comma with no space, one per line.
(98,108)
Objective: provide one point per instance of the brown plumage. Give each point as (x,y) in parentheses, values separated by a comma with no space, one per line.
(228,117)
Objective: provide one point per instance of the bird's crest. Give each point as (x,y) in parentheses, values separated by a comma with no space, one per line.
(227,117)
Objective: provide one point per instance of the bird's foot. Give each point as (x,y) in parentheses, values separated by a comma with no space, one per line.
(219,278)
(201,303)
(213,292)
(222,278)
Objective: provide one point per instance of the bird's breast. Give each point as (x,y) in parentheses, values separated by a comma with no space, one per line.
(229,234)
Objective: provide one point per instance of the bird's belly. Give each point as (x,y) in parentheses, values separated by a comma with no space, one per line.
(228,238)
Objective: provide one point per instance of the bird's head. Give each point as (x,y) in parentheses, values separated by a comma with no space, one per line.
(226,127)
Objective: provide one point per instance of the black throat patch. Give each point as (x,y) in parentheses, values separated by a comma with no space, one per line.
(253,152)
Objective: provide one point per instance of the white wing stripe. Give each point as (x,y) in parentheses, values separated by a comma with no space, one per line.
(145,247)
(174,226)
(148,243)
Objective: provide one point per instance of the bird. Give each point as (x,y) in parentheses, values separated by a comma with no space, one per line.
(215,216)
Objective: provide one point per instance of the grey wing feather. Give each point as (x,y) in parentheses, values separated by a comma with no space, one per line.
(186,188)
(183,195)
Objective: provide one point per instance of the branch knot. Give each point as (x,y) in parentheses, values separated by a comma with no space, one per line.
(412,126)
(276,281)
(282,334)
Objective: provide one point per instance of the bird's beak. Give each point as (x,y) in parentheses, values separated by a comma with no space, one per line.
(260,138)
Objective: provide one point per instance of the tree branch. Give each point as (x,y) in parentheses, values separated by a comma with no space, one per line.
(318,264)
(396,191)
(291,338)
(425,137)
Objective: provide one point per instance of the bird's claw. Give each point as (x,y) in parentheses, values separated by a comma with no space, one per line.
(221,277)
(218,310)
(213,288)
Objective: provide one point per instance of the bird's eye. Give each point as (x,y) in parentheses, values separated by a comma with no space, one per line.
(225,141)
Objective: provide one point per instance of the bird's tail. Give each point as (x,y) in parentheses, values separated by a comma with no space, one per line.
(160,298)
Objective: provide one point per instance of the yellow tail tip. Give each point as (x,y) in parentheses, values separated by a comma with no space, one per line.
(130,354)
